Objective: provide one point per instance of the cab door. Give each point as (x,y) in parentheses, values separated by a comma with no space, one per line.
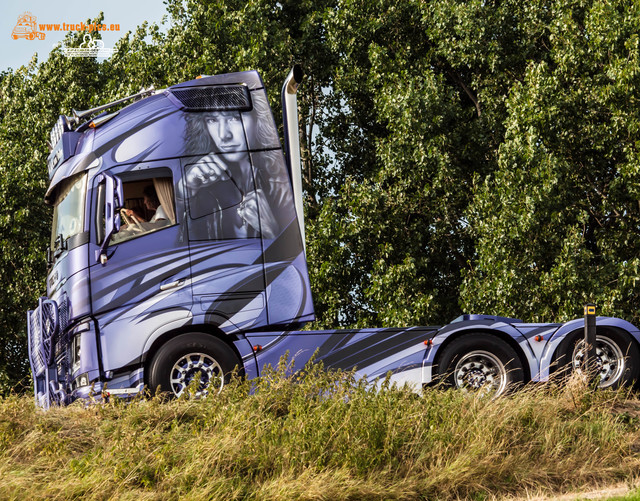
(144,284)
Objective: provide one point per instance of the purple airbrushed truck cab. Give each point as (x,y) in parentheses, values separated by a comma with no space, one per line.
(177,249)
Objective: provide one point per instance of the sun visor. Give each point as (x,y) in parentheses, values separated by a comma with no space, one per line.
(72,167)
(249,78)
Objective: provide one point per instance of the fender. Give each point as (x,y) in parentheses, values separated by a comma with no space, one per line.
(239,341)
(195,321)
(572,326)
(489,325)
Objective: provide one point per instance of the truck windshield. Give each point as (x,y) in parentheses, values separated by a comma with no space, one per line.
(68,212)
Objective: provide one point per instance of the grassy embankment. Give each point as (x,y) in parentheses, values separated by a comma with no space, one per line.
(325,437)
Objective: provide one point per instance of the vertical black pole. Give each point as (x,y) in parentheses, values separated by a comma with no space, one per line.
(590,339)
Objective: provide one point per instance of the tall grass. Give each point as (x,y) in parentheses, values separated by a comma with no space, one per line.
(324,436)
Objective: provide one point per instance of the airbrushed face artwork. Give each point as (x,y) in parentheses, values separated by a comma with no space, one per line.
(227,133)
(235,191)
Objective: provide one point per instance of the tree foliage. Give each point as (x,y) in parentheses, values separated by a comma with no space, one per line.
(557,222)
(475,156)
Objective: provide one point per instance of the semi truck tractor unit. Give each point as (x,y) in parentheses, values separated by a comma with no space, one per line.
(177,251)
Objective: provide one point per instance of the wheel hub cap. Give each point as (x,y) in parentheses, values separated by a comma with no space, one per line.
(609,361)
(481,371)
(193,365)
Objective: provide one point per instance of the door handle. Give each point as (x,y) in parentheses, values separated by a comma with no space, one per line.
(171,285)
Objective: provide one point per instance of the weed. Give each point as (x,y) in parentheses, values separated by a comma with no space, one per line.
(322,436)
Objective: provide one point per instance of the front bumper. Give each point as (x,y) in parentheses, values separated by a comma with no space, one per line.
(60,377)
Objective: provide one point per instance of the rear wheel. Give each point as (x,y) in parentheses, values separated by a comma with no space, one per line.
(481,363)
(187,356)
(617,357)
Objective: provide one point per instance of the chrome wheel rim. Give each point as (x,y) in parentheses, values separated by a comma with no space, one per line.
(481,371)
(184,372)
(610,362)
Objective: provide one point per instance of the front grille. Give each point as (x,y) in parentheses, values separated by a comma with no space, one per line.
(62,339)
(216,98)
(63,312)
(43,325)
(35,342)
(49,322)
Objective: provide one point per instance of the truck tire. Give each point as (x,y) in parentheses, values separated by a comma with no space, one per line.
(617,357)
(482,363)
(177,362)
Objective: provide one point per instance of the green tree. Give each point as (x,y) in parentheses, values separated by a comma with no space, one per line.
(557,223)
(418,110)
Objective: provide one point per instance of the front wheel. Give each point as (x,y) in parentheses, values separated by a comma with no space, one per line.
(617,357)
(481,363)
(187,356)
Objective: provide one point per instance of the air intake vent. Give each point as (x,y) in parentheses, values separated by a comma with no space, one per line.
(217,98)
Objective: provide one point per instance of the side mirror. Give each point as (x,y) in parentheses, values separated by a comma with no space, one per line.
(113,200)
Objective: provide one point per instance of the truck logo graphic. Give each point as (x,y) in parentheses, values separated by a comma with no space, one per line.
(26,28)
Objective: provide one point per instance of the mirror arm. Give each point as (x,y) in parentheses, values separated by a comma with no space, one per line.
(114,199)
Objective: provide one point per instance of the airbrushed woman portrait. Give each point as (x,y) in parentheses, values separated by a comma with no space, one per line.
(226,198)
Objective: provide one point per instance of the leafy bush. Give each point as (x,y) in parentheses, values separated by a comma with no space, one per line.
(321,436)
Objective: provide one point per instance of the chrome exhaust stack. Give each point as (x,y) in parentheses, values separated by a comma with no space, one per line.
(292,140)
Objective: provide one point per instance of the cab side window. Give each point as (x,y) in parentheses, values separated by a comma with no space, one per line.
(149,205)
